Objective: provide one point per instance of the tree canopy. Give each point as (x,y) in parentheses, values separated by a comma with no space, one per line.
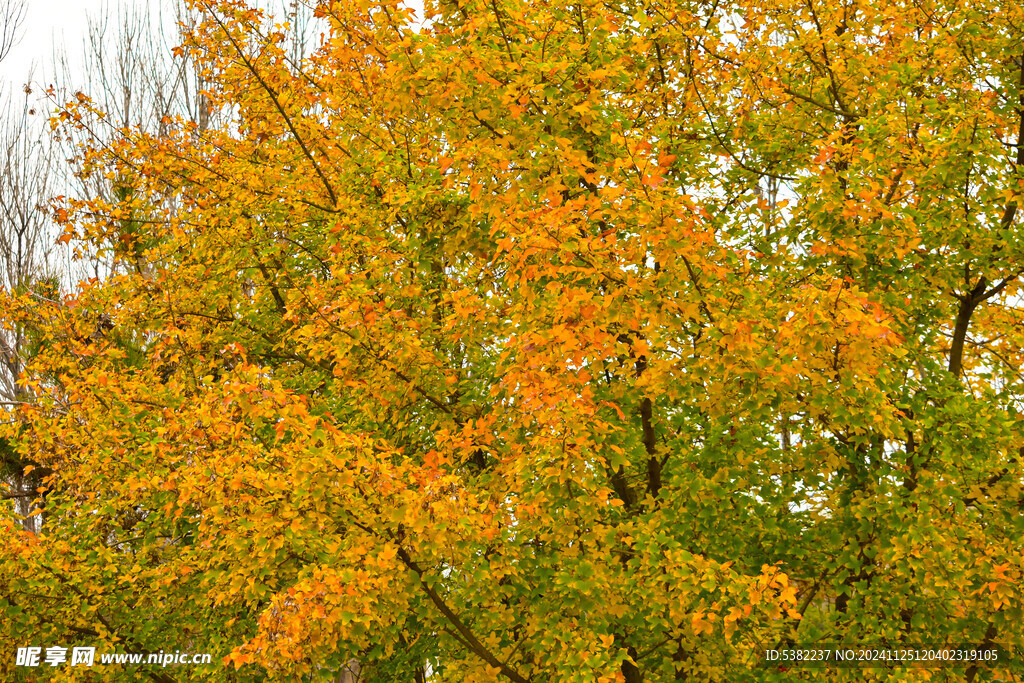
(542,341)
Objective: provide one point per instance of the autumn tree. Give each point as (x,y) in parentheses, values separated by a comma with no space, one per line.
(604,341)
(127,66)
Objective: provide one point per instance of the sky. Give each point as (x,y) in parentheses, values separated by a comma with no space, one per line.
(48,24)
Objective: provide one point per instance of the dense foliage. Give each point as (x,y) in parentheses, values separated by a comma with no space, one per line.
(602,341)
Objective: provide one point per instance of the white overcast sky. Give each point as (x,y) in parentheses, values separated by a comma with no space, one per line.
(49,24)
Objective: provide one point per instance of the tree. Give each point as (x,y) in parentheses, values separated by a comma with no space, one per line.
(594,341)
(26,253)
(12,17)
(133,79)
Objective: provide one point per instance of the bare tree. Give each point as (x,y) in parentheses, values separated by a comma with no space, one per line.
(26,247)
(12,18)
(26,234)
